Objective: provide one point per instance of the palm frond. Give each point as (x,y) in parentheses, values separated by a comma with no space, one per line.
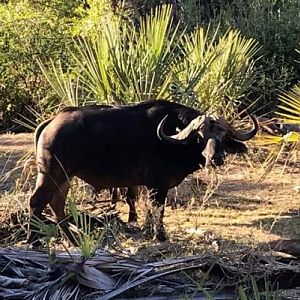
(96,279)
(29,274)
(286,147)
(142,61)
(66,87)
(290,106)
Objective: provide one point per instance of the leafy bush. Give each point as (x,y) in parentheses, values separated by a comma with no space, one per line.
(28,31)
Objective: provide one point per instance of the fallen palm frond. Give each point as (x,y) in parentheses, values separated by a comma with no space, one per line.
(27,274)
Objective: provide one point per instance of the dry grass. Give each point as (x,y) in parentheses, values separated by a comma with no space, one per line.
(233,211)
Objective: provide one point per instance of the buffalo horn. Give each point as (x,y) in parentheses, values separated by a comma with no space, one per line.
(242,135)
(194,126)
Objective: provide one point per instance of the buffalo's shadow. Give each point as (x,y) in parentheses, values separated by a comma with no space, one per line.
(222,197)
(286,225)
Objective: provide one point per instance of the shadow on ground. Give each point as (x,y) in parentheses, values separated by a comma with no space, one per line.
(228,196)
(285,225)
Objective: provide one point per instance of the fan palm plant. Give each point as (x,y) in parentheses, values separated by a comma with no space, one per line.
(290,106)
(124,63)
(289,113)
(227,65)
(87,240)
(66,87)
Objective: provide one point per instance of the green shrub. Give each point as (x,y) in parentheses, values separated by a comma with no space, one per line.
(28,31)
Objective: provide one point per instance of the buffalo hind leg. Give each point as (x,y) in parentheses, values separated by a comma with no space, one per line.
(130,197)
(57,204)
(41,196)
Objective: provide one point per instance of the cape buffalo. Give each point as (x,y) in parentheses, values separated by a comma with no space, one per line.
(154,143)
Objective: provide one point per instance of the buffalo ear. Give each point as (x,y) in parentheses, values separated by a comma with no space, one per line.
(186,116)
(232,146)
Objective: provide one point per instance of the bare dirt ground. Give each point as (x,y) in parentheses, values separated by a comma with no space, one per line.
(235,210)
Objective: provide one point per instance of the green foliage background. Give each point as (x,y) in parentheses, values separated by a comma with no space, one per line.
(46,30)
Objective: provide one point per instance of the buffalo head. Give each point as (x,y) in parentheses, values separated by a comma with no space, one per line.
(215,134)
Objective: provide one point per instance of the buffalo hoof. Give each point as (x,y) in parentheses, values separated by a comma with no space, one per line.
(161,235)
(148,231)
(132,217)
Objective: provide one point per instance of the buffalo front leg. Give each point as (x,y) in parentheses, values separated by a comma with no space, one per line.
(154,226)
(131,197)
